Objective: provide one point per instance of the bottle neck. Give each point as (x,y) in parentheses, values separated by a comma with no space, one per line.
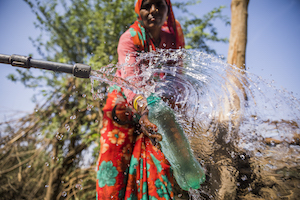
(152,99)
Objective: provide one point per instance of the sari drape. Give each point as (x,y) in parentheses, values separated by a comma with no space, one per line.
(129,165)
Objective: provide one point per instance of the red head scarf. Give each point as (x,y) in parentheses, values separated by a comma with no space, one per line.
(138,32)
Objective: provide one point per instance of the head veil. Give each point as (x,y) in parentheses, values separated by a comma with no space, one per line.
(138,32)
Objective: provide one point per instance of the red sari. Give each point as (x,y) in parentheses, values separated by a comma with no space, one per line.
(129,165)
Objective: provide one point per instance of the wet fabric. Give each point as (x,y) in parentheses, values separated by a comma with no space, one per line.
(136,39)
(129,165)
(130,64)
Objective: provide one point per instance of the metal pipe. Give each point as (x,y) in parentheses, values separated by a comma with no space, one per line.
(4,59)
(78,70)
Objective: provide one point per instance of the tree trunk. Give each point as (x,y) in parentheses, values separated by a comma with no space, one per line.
(238,33)
(236,56)
(237,46)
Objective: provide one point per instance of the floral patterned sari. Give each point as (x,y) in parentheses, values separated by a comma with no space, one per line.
(129,165)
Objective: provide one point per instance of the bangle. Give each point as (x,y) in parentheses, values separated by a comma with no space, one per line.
(135,103)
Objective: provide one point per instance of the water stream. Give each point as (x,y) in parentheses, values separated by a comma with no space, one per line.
(243,130)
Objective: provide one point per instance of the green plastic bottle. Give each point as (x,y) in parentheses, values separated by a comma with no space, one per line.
(175,146)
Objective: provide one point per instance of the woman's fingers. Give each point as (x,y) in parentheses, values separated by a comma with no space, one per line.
(150,134)
(158,136)
(145,122)
(149,128)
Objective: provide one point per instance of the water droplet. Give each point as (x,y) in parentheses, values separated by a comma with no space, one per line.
(244,178)
(67,127)
(89,107)
(64,194)
(78,186)
(59,136)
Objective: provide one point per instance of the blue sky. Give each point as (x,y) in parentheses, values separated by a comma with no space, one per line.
(272,50)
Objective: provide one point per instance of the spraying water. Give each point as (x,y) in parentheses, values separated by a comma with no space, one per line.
(242,129)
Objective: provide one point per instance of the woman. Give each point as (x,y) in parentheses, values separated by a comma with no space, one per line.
(130,166)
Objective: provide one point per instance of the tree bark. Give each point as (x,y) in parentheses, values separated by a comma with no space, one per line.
(236,56)
(238,33)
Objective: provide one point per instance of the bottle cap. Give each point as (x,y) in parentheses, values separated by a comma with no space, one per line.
(152,99)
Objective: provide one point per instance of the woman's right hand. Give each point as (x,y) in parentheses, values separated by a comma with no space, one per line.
(148,128)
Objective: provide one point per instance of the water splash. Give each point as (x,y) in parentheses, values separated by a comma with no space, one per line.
(242,129)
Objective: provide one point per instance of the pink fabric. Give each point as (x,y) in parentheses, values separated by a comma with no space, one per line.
(129,66)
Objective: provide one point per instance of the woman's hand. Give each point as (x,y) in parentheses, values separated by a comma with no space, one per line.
(148,128)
